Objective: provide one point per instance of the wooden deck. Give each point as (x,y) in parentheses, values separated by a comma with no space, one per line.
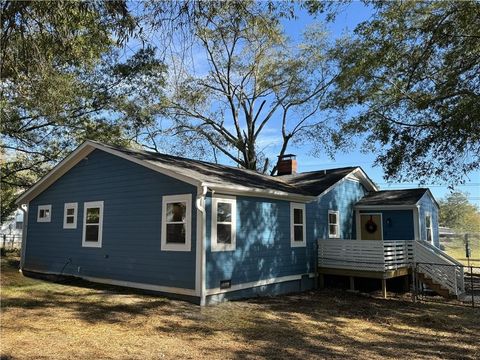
(388,259)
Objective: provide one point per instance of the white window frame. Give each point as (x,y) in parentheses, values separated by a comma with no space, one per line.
(233,202)
(66,207)
(167,199)
(429,229)
(89,205)
(337,224)
(47,218)
(294,243)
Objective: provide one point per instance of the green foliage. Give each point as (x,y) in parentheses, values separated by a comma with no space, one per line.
(65,78)
(413,72)
(457,213)
(255,75)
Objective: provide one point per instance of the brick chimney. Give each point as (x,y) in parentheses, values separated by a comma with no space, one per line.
(287,165)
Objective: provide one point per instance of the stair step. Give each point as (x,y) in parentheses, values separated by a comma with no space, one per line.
(438,288)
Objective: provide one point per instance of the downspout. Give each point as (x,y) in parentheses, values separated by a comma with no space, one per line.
(201,241)
(24,235)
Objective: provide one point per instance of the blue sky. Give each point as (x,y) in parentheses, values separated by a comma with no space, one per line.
(345,23)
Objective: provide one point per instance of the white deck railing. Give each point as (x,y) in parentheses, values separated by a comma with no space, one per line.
(366,255)
(374,255)
(439,267)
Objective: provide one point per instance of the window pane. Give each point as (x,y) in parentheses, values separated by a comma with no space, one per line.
(70,219)
(224,233)
(333,229)
(47,213)
(332,218)
(298,233)
(93,215)
(70,211)
(42,213)
(176,212)
(297,216)
(176,233)
(91,233)
(224,212)
(428,221)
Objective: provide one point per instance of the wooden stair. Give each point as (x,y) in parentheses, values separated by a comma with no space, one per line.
(432,285)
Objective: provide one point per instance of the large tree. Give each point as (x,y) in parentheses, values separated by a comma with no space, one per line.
(254,80)
(66,77)
(411,75)
(458,213)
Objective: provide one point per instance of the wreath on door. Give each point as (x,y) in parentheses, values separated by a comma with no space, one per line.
(370,226)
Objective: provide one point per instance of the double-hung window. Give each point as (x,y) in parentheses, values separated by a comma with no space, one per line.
(44,213)
(333,224)
(176,222)
(224,219)
(297,225)
(92,224)
(70,216)
(429,228)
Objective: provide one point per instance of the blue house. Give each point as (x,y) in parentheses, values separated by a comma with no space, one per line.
(207,232)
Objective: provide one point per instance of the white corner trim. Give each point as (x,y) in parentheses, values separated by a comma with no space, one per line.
(89,205)
(243,286)
(67,206)
(337,213)
(214,246)
(199,244)
(187,246)
(45,219)
(416,224)
(294,243)
(24,233)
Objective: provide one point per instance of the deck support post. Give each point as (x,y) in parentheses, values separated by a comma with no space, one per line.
(352,283)
(321,281)
(384,288)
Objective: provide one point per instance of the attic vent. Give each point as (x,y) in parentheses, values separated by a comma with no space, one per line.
(287,164)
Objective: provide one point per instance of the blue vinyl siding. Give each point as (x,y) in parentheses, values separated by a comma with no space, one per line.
(427,205)
(401,224)
(132,196)
(341,198)
(263,248)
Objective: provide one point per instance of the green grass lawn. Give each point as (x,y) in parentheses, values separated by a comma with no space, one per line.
(456,249)
(44,320)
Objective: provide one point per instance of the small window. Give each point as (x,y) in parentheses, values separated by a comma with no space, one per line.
(44,213)
(70,216)
(176,222)
(297,223)
(333,224)
(92,224)
(223,223)
(429,228)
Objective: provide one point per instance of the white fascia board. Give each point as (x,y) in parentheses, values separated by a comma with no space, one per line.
(53,175)
(357,173)
(78,154)
(431,197)
(385,207)
(246,191)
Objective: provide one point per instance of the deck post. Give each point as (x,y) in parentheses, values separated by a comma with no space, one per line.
(352,283)
(321,281)
(384,288)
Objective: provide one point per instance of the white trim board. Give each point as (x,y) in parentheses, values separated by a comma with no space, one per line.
(129,284)
(253,284)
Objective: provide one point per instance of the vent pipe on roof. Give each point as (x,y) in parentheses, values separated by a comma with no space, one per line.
(287,165)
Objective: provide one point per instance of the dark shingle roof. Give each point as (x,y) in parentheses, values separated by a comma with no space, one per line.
(316,182)
(309,183)
(393,197)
